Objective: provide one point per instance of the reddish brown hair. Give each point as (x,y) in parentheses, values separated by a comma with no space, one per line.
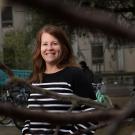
(66,59)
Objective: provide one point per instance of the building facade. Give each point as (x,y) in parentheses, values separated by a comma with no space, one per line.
(104,55)
(12,17)
(101,54)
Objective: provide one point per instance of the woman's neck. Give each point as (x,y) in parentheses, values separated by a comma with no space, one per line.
(52,69)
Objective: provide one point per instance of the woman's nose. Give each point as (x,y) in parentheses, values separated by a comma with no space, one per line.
(49,46)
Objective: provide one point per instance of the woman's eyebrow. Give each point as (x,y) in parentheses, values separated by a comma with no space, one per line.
(44,42)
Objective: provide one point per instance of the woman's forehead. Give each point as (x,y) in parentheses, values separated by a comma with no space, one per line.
(47,37)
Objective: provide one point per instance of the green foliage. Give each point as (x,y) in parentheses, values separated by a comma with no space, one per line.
(40,18)
(17,53)
(18,44)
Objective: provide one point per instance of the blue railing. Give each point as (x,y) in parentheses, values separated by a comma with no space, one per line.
(19,73)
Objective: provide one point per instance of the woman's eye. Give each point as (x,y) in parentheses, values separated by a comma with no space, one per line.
(55,43)
(45,44)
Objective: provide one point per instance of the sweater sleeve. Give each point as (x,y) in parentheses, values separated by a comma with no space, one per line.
(81,85)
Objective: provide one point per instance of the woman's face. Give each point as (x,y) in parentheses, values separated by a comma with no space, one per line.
(50,49)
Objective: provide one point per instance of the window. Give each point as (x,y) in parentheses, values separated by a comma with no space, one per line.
(7,17)
(97,53)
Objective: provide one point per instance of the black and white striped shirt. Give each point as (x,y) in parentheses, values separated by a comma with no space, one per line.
(68,81)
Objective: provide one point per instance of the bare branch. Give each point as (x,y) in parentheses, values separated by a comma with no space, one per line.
(7,70)
(92,19)
(58,118)
(75,100)
(127,111)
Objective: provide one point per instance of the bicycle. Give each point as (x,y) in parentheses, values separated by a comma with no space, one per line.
(18,96)
(101,95)
(4,120)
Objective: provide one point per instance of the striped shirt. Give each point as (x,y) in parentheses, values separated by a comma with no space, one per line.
(68,81)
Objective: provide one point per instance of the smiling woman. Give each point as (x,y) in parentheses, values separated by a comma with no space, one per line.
(51,52)
(55,69)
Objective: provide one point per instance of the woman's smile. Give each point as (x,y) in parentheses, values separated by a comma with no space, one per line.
(50,48)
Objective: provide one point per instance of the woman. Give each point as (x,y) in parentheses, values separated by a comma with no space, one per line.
(55,70)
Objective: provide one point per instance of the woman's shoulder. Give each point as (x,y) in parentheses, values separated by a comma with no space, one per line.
(74,70)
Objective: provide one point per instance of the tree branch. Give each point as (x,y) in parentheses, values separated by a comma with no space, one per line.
(74,99)
(7,70)
(92,19)
(58,118)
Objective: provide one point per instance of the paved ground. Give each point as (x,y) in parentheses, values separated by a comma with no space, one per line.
(119,91)
(10,130)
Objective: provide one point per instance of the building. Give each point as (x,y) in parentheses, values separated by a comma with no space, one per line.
(101,54)
(105,56)
(12,17)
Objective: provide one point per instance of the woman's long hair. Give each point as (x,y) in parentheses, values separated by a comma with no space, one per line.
(67,58)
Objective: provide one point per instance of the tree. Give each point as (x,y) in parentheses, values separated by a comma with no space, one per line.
(16,50)
(39,18)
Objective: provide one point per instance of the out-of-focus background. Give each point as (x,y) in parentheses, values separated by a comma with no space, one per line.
(111,60)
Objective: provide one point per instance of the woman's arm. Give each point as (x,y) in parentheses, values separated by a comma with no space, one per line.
(81,85)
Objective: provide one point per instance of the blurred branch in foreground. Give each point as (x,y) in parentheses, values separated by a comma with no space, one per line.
(127,111)
(75,100)
(7,70)
(60,118)
(92,19)
(103,115)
